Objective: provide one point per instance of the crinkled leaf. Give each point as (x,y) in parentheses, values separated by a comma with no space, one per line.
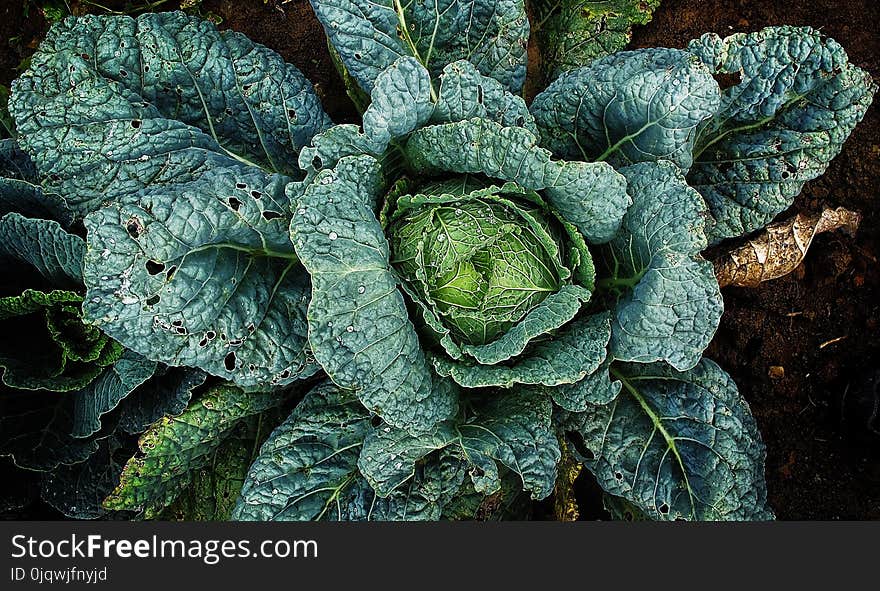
(44,245)
(633,106)
(308,461)
(676,445)
(174,448)
(669,303)
(467,94)
(425,497)
(400,103)
(104,393)
(596,388)
(575,32)
(359,328)
(55,350)
(167,105)
(510,428)
(797,101)
(434,484)
(388,457)
(575,351)
(158,99)
(334,144)
(207,280)
(591,196)
(514,429)
(370,36)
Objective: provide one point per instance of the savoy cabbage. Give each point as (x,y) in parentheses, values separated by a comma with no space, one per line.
(439,300)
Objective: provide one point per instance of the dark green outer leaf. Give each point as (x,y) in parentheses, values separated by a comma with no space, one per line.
(78,490)
(798,100)
(215,488)
(424,497)
(370,35)
(573,33)
(35,430)
(676,445)
(669,302)
(207,280)
(145,80)
(596,388)
(400,102)
(466,94)
(511,428)
(308,461)
(633,106)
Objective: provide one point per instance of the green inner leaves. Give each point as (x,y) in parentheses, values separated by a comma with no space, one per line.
(484,262)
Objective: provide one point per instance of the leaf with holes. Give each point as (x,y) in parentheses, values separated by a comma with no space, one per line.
(796,102)
(189,136)
(159,99)
(207,280)
(675,445)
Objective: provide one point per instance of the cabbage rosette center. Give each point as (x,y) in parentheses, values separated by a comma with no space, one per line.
(480,258)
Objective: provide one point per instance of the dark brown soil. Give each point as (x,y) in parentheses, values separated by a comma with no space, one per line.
(19,36)
(818,324)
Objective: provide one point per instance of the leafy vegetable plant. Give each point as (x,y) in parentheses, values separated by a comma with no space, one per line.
(446,296)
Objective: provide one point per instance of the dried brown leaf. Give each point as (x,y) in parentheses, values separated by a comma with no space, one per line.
(780,247)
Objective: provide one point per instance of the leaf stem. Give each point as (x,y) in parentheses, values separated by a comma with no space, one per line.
(658,425)
(404,32)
